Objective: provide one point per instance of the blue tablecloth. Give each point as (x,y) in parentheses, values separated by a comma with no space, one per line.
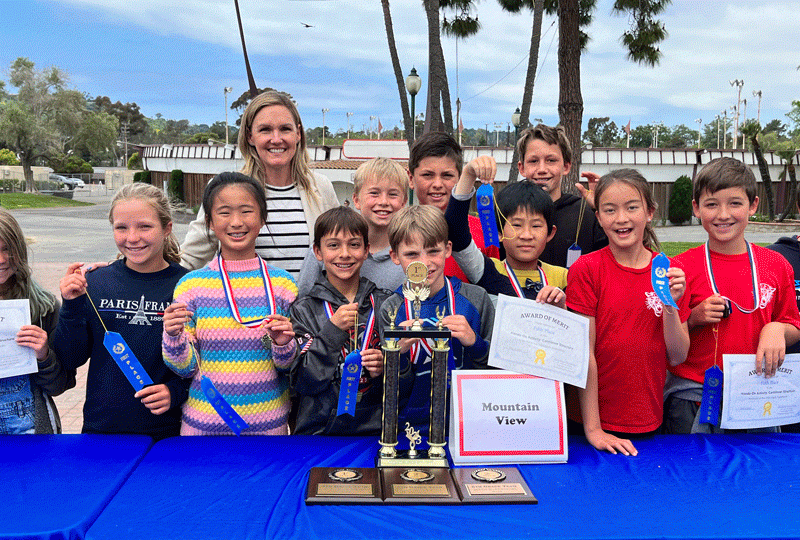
(735,486)
(54,486)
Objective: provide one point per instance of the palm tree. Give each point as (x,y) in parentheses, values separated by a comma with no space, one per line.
(537,6)
(408,122)
(438,96)
(751,129)
(251,81)
(788,156)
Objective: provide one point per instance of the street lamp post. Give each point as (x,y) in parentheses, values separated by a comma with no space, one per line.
(744,118)
(718,132)
(738,83)
(226,91)
(758,93)
(699,125)
(515,119)
(725,129)
(323,125)
(413,84)
(497,134)
(348,124)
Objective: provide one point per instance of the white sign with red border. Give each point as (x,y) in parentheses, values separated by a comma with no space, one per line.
(505,417)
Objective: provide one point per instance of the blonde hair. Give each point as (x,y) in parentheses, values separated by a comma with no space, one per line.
(301,172)
(634,179)
(21,283)
(159,202)
(381,169)
(427,221)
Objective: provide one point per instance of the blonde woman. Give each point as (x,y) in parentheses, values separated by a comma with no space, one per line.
(272,142)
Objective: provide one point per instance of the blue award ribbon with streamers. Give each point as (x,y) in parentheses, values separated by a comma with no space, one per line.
(126,360)
(712,396)
(348,393)
(223,408)
(485,203)
(658,276)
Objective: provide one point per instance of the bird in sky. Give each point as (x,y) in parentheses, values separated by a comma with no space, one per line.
(307,25)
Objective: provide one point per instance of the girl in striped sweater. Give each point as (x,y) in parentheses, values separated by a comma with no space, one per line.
(228,328)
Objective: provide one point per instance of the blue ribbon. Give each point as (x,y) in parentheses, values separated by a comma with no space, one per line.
(658,277)
(223,408)
(126,360)
(712,396)
(348,393)
(485,204)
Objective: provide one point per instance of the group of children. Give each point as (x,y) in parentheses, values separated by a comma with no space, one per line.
(238,331)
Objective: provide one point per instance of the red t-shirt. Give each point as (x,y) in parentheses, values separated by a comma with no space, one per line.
(451,268)
(739,333)
(629,340)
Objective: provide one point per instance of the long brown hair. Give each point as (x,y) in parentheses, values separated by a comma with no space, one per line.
(21,283)
(159,202)
(633,178)
(301,172)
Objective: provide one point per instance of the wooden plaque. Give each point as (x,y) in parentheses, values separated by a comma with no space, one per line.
(492,485)
(343,485)
(418,486)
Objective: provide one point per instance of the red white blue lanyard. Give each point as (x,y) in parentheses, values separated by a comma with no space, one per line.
(756,290)
(416,348)
(512,277)
(226,286)
(368,329)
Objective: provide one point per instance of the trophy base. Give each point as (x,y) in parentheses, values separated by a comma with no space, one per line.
(421,460)
(343,485)
(415,485)
(492,485)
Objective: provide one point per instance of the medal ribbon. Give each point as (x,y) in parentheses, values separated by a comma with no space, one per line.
(368,328)
(756,291)
(512,277)
(416,348)
(226,286)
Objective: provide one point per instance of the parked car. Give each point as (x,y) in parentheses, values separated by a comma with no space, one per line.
(70,183)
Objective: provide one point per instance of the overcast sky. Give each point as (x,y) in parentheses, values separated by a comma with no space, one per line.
(174,57)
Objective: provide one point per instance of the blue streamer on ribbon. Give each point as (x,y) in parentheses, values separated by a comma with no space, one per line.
(126,360)
(348,393)
(485,203)
(712,396)
(658,277)
(223,408)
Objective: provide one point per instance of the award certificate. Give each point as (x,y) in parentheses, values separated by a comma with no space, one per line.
(540,339)
(753,401)
(14,359)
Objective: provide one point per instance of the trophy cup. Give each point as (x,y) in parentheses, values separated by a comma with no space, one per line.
(415,476)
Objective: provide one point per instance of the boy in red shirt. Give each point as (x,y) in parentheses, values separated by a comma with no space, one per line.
(741,295)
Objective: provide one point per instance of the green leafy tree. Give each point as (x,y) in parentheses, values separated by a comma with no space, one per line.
(680,201)
(240,103)
(7,157)
(97,135)
(601,132)
(176,184)
(751,129)
(775,126)
(679,136)
(794,116)
(127,114)
(37,123)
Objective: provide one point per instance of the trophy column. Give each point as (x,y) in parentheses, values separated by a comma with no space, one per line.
(438,415)
(391,378)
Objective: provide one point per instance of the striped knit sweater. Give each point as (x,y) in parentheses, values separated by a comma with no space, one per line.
(230,354)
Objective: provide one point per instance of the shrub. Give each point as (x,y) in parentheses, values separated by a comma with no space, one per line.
(135,161)
(142,176)
(7,157)
(680,201)
(175,188)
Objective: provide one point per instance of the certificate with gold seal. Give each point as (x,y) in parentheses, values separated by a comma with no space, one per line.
(751,401)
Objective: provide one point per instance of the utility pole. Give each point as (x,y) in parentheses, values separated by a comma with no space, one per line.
(125,129)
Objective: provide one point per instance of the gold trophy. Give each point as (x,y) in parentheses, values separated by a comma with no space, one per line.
(415,476)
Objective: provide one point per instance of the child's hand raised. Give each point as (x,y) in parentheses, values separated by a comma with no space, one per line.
(345,317)
(372,361)
(677,282)
(280,330)
(588,193)
(552,295)
(483,168)
(175,318)
(709,311)
(460,329)
(74,283)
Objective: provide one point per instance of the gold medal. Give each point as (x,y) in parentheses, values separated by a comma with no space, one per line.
(416,475)
(488,475)
(345,475)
